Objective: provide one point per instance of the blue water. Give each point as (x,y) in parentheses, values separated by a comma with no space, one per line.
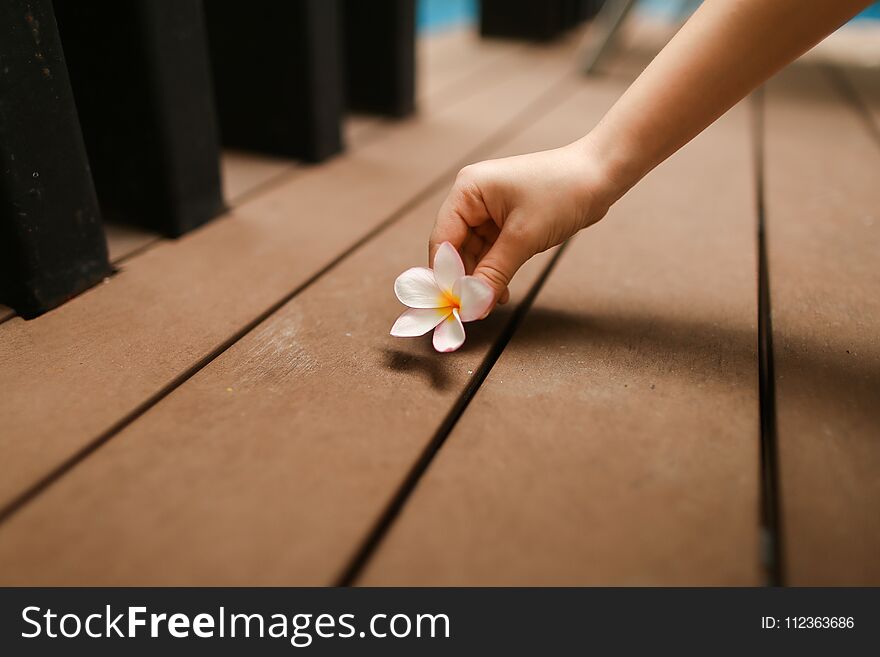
(672,8)
(871,13)
(436,15)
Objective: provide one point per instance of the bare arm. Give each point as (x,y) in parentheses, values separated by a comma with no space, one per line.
(501,212)
(726,50)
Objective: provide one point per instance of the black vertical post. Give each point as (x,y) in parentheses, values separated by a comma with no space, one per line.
(578,11)
(534,20)
(142,85)
(278,75)
(589,8)
(380,38)
(51,240)
(571,13)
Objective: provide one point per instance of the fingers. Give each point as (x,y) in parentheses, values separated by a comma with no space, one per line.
(490,253)
(502,261)
(462,210)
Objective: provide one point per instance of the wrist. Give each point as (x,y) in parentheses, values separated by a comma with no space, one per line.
(607,171)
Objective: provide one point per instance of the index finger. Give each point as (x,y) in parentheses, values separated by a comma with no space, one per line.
(462,210)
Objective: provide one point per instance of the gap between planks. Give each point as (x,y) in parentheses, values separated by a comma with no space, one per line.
(771,536)
(821,201)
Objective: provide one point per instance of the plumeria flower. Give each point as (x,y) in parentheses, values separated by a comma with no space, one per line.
(440,299)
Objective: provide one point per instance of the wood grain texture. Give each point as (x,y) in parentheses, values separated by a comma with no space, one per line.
(615,442)
(823,227)
(74,374)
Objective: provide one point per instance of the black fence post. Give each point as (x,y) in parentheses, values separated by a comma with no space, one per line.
(589,8)
(142,85)
(278,75)
(534,20)
(51,240)
(571,13)
(380,47)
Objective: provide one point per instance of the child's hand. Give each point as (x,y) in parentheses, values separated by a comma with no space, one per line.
(500,213)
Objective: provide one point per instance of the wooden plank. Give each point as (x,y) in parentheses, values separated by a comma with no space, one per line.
(317,408)
(615,441)
(447,59)
(51,244)
(102,356)
(245,173)
(823,228)
(123,241)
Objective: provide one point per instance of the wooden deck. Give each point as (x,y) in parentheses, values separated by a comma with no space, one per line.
(229,408)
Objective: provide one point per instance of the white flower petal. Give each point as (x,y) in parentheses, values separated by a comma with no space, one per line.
(448,266)
(418,321)
(449,334)
(475,297)
(417,288)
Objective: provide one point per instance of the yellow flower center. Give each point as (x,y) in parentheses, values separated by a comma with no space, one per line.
(452,301)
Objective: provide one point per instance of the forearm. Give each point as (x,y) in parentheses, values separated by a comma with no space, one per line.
(726,50)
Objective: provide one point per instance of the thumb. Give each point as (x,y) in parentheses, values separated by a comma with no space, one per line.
(501,262)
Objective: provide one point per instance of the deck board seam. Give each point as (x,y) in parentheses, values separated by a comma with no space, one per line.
(771,547)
